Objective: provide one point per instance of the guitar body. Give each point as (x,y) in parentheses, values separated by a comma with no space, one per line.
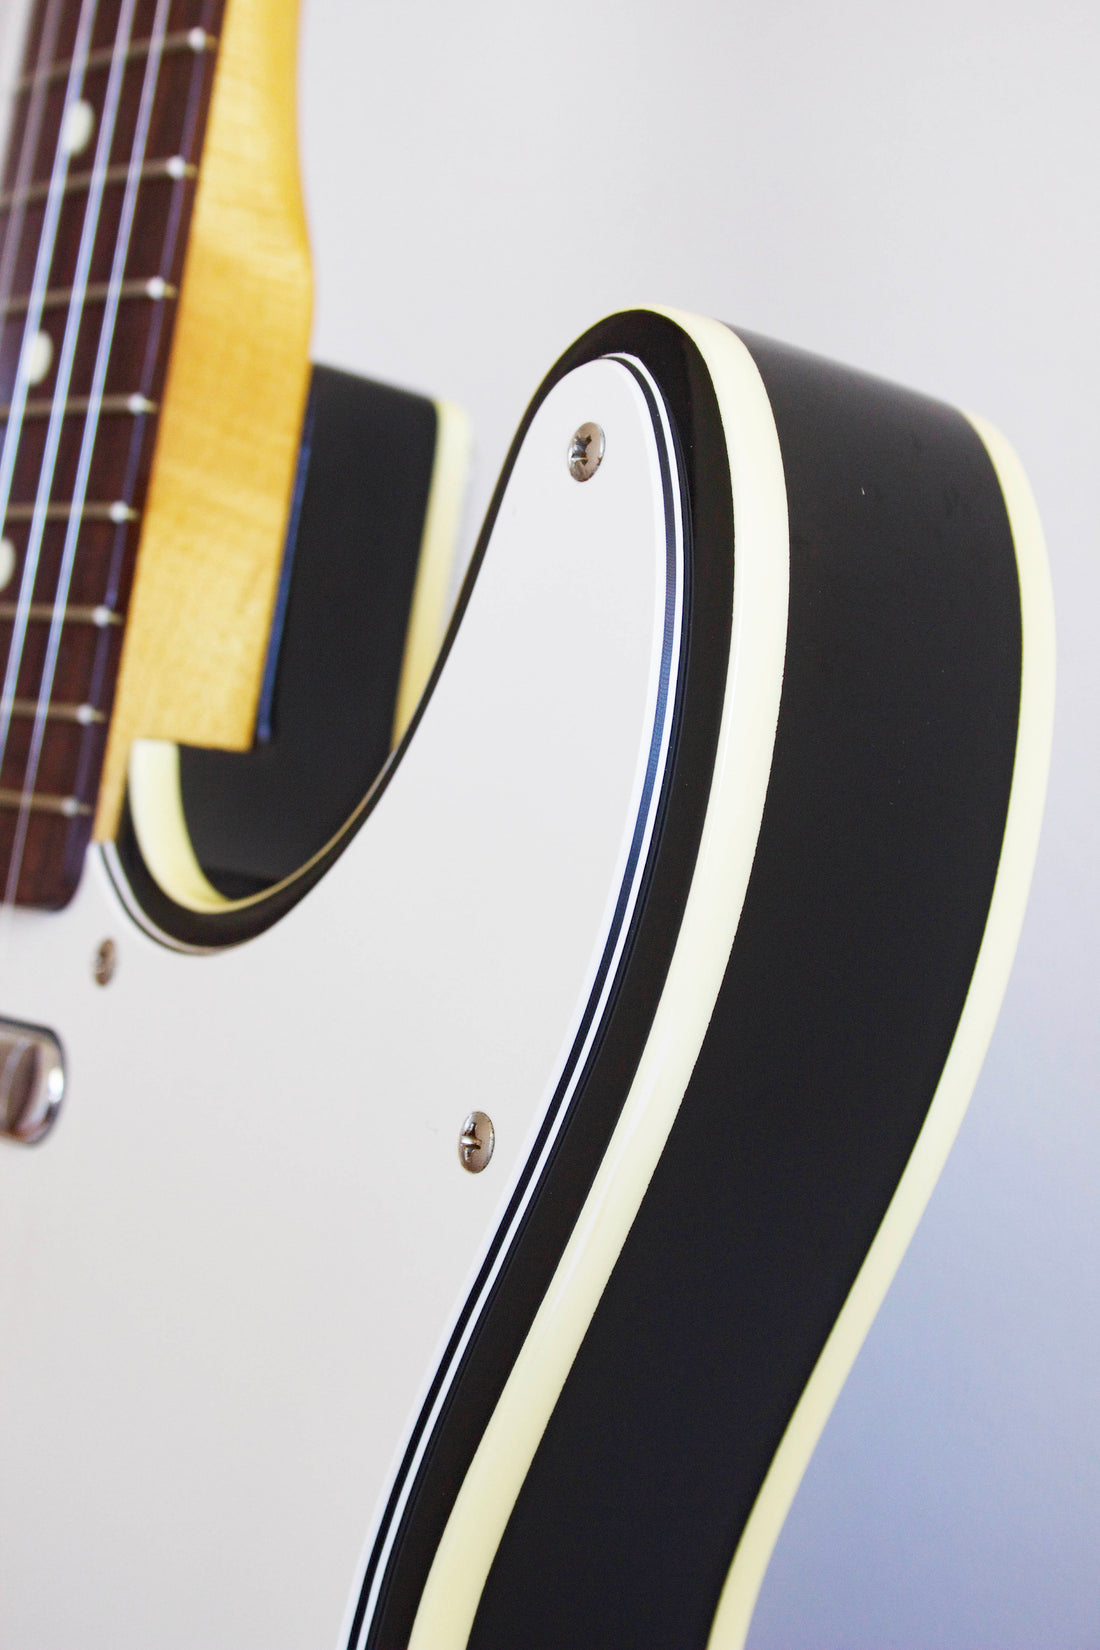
(698,871)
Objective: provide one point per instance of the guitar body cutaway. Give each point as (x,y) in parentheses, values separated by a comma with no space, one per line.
(698,869)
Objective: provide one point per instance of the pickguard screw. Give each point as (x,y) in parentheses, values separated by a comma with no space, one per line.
(585,452)
(105,963)
(476,1142)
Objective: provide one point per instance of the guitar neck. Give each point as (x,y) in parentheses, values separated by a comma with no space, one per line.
(102,195)
(99,186)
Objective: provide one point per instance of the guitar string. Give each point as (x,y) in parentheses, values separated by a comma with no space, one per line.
(13,236)
(32,129)
(92,215)
(13,432)
(47,236)
(91,421)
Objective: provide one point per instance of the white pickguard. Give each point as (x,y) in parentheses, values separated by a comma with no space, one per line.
(226,1275)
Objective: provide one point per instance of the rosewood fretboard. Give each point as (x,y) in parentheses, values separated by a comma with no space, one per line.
(98,187)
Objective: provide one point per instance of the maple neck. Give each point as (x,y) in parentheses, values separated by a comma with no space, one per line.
(103,155)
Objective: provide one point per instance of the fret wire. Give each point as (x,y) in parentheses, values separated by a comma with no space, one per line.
(39,283)
(117,512)
(153,289)
(183,40)
(99,377)
(29,141)
(32,129)
(13,233)
(28,801)
(102,617)
(48,881)
(93,209)
(174,167)
(83,715)
(137,405)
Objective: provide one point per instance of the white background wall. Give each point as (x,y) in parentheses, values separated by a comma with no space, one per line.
(911,189)
(914,191)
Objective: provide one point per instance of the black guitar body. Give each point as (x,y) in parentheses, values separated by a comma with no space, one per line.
(326,714)
(873,877)
(857,945)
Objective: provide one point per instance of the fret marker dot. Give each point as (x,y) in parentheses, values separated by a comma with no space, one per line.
(176,167)
(38,357)
(7,562)
(120,512)
(77,128)
(156,288)
(196,39)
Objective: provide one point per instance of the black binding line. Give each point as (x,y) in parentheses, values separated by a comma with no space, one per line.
(684,381)
(512,1299)
(567,1094)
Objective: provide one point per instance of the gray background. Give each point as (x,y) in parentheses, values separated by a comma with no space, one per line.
(912,190)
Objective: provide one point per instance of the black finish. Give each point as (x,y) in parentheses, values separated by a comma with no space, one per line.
(352,556)
(686,383)
(866,907)
(705,489)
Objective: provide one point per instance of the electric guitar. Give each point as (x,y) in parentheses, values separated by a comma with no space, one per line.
(464,1095)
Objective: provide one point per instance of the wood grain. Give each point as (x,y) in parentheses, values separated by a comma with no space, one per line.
(212,538)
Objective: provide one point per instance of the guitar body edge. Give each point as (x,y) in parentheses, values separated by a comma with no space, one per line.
(960,1073)
(699,867)
(631,1481)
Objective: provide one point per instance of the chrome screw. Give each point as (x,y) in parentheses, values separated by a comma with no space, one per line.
(585,452)
(105,962)
(476,1142)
